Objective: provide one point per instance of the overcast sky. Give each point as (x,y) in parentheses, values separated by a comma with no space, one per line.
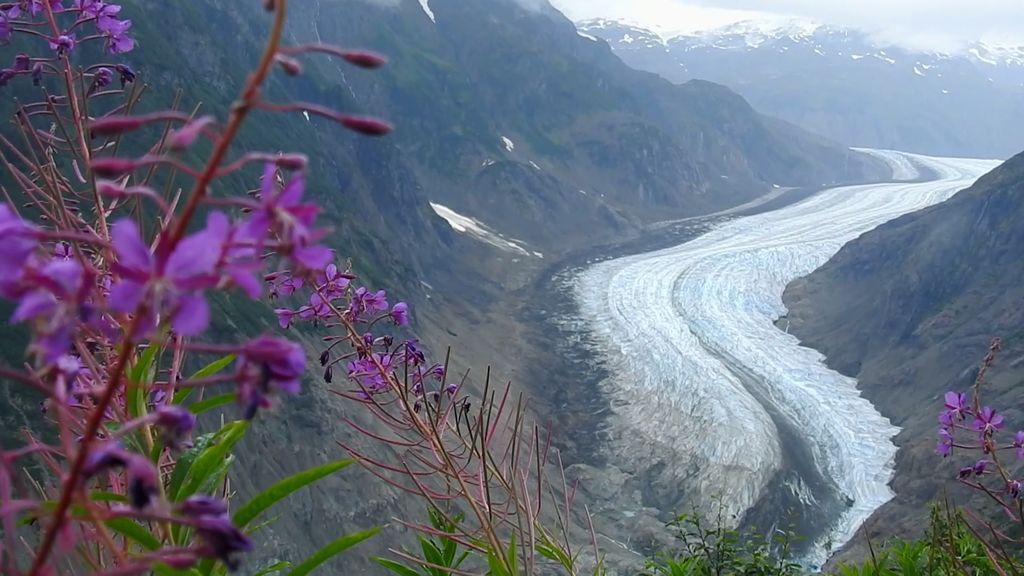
(934,24)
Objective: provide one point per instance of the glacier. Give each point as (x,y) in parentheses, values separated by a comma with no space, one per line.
(699,375)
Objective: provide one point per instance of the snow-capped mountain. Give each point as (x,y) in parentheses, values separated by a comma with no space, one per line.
(846,85)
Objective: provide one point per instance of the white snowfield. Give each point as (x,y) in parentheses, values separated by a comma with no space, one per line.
(692,346)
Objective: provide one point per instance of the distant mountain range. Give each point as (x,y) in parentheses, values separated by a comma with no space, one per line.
(845,85)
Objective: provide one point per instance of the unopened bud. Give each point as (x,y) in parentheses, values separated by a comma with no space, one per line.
(292,161)
(110,125)
(363,59)
(291,66)
(112,167)
(366,125)
(22,62)
(189,133)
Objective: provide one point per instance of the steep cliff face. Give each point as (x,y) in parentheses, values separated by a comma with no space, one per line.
(910,309)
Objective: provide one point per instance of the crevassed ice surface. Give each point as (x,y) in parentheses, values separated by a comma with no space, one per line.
(688,332)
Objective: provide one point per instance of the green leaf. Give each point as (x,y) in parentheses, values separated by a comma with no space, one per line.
(273,568)
(212,402)
(139,376)
(331,550)
(133,531)
(205,372)
(164,570)
(281,489)
(184,463)
(211,460)
(396,567)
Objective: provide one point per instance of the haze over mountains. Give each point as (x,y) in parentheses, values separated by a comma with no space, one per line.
(844,84)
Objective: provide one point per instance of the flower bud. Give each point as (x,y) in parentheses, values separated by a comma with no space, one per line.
(187,134)
(37,74)
(103,77)
(142,482)
(289,65)
(202,505)
(22,62)
(292,161)
(363,59)
(366,126)
(112,167)
(116,124)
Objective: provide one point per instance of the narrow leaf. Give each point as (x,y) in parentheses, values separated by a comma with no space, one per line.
(331,550)
(281,489)
(133,531)
(396,567)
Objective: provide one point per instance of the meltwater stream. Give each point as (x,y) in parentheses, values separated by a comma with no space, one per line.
(707,389)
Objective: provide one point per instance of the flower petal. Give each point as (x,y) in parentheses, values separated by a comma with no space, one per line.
(192,316)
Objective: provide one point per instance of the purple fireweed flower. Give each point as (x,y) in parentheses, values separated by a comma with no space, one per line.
(365,302)
(945,444)
(127,75)
(5,29)
(173,284)
(283,285)
(143,481)
(317,308)
(1018,443)
(965,472)
(52,305)
(451,389)
(979,467)
(365,371)
(331,282)
(176,424)
(400,314)
(18,240)
(222,539)
(956,405)
(104,77)
(202,505)
(62,250)
(268,366)
(283,210)
(22,62)
(987,422)
(63,44)
(284,317)
(104,457)
(1013,488)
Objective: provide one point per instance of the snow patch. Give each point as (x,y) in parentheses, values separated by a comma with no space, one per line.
(918,71)
(306,114)
(585,35)
(480,231)
(534,164)
(425,4)
(509,145)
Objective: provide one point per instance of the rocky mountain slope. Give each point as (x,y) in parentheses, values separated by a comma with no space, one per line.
(846,85)
(910,309)
(517,140)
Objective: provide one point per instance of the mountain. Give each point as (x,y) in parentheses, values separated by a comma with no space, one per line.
(846,85)
(517,141)
(910,310)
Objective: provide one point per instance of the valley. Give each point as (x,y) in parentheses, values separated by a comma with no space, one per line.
(707,400)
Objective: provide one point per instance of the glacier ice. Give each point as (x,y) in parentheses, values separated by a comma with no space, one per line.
(697,367)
